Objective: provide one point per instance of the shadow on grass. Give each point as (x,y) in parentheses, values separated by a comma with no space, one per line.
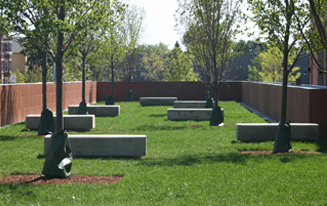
(20,190)
(321,144)
(158,115)
(189,160)
(233,157)
(107,158)
(7,138)
(147,127)
(40,156)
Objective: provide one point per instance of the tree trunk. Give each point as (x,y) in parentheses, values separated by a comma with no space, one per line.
(44,80)
(83,77)
(112,77)
(285,64)
(0,59)
(283,137)
(58,60)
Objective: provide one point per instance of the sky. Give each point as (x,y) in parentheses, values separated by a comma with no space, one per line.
(159,22)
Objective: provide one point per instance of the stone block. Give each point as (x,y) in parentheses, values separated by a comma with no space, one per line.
(248,132)
(157,101)
(190,104)
(71,122)
(197,114)
(105,145)
(98,110)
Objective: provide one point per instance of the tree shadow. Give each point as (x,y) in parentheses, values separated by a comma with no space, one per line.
(147,127)
(232,157)
(158,115)
(7,138)
(40,156)
(189,160)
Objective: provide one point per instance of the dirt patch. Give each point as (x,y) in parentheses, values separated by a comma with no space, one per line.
(42,180)
(256,152)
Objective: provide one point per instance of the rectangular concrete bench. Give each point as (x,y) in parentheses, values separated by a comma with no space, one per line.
(98,110)
(197,114)
(189,104)
(248,132)
(157,101)
(71,122)
(105,145)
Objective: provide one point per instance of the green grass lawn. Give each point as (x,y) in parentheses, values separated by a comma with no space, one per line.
(187,163)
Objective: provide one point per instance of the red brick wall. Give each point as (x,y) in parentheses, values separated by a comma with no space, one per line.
(20,100)
(304,104)
(181,90)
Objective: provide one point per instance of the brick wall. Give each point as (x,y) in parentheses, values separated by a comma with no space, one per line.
(20,100)
(304,104)
(181,90)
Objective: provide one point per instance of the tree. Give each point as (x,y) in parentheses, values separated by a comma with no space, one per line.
(154,61)
(268,67)
(210,24)
(277,20)
(37,58)
(131,30)
(61,19)
(90,39)
(315,35)
(180,67)
(112,48)
(245,47)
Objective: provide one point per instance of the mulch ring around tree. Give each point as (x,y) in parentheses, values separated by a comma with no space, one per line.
(34,179)
(258,152)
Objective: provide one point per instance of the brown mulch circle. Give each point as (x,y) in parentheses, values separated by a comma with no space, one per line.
(42,180)
(256,152)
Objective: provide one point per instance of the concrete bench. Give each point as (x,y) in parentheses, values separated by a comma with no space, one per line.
(197,114)
(248,132)
(104,145)
(71,122)
(157,101)
(98,110)
(189,104)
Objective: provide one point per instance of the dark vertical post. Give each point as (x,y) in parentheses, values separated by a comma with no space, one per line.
(44,80)
(1,57)
(83,78)
(58,60)
(112,76)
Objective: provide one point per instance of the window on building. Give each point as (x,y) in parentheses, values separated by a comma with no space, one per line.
(6,66)
(5,46)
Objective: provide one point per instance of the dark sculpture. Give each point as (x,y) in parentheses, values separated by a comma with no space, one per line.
(110,100)
(59,156)
(216,116)
(47,124)
(283,138)
(82,109)
(129,97)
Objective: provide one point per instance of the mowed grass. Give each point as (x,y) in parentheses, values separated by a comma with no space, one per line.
(187,163)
